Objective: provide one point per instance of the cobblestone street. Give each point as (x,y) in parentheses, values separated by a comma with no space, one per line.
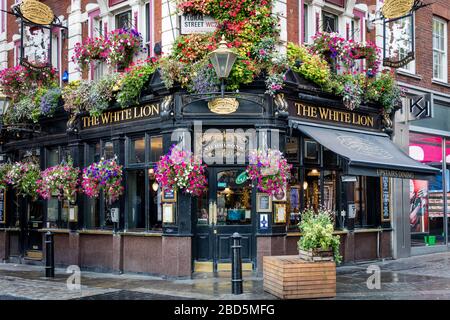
(420,277)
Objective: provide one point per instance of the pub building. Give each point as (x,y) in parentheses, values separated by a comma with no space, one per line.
(342,160)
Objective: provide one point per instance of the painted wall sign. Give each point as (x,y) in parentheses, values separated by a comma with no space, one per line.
(385,199)
(197,23)
(395,174)
(322,113)
(398,42)
(112,117)
(37,12)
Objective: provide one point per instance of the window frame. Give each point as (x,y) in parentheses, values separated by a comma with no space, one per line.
(146,165)
(443,52)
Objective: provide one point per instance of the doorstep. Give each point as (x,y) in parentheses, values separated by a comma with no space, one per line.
(208,266)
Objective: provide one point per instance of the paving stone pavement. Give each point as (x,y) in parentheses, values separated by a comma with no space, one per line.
(419,277)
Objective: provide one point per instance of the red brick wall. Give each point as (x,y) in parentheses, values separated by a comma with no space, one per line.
(293,28)
(424,45)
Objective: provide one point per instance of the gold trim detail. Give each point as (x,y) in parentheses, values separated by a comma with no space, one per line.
(223,105)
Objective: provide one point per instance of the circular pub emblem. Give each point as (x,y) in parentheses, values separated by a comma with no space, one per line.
(393,9)
(37,12)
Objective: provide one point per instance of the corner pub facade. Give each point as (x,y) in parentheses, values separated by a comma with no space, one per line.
(342,160)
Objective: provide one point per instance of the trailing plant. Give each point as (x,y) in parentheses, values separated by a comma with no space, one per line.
(49,101)
(106,176)
(76,96)
(309,65)
(19,80)
(123,44)
(133,83)
(22,111)
(316,231)
(4,170)
(59,181)
(23,177)
(270,170)
(101,94)
(385,91)
(180,170)
(91,49)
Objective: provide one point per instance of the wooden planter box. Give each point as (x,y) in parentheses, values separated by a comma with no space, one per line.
(289,277)
(316,255)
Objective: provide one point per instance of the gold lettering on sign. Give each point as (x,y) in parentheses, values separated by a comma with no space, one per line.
(37,12)
(327,114)
(112,117)
(395,174)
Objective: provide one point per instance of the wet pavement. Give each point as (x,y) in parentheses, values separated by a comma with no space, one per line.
(420,277)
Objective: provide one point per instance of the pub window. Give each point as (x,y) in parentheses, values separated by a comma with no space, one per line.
(57,214)
(95,216)
(136,199)
(136,150)
(156,148)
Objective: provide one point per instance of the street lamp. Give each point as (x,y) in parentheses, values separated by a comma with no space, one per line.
(222,60)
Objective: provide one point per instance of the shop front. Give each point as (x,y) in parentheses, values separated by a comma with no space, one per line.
(342,161)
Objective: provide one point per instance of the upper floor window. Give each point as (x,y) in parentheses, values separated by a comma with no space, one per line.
(329,22)
(124,20)
(439,49)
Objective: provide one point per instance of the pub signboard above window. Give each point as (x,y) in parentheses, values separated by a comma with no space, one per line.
(319,113)
(148,111)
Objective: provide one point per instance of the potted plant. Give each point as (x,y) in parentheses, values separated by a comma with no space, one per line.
(317,242)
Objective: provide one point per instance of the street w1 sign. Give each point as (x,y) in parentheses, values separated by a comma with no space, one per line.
(197,23)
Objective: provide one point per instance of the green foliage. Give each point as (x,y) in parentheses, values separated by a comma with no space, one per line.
(101,94)
(310,66)
(385,91)
(133,83)
(317,232)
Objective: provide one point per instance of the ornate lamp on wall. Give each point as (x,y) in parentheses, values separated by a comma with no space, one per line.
(223,60)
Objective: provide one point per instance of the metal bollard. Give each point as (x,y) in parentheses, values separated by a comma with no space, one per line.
(49,256)
(236,266)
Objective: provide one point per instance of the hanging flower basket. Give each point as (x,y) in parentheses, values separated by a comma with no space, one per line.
(270,170)
(180,170)
(23,177)
(59,181)
(104,175)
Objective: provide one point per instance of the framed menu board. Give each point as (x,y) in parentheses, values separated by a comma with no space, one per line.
(2,206)
(385,199)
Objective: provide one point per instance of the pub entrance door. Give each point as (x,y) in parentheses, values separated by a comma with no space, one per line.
(228,209)
(33,216)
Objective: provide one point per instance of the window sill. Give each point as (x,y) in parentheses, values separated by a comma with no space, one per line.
(298,234)
(141,234)
(54,230)
(440,83)
(409,74)
(101,232)
(10,229)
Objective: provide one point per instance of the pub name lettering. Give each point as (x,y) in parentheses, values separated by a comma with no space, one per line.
(111,117)
(321,113)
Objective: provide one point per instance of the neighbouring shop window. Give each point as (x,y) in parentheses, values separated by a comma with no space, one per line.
(123,20)
(137,150)
(136,199)
(426,217)
(439,49)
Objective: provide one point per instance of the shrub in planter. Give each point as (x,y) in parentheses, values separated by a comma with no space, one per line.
(316,230)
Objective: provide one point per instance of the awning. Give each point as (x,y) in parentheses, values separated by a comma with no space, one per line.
(367,153)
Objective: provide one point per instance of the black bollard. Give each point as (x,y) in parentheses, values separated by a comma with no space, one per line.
(236,267)
(49,256)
